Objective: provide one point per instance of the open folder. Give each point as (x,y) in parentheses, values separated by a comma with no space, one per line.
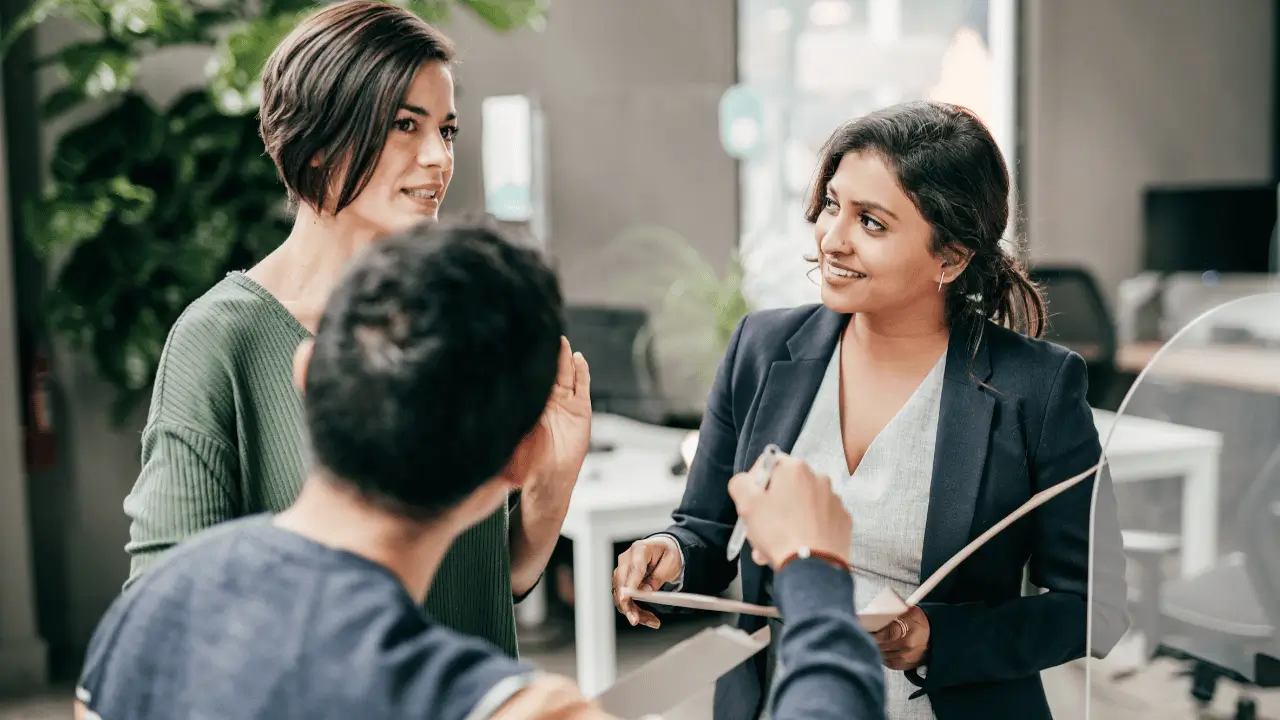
(887,605)
(666,681)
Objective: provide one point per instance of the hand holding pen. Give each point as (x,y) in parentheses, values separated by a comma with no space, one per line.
(783,507)
(760,475)
(791,512)
(657,561)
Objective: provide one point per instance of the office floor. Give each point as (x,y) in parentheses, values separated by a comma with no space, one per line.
(1154,693)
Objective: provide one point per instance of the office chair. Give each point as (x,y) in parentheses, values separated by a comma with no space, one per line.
(1079,320)
(623,382)
(1225,622)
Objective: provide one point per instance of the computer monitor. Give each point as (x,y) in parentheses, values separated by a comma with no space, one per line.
(623,381)
(1223,229)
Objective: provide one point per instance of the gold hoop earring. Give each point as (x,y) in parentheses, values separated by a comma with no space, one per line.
(940,279)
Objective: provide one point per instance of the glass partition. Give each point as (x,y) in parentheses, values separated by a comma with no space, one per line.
(1194,453)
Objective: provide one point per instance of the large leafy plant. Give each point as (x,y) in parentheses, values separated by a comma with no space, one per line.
(693,307)
(147,207)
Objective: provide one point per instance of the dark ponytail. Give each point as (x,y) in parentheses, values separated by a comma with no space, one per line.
(1019,304)
(995,287)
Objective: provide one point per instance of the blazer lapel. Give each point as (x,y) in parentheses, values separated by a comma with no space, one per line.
(790,385)
(964,431)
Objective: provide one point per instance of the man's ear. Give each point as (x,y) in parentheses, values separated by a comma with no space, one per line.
(301,361)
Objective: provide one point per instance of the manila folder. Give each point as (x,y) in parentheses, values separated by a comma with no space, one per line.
(666,681)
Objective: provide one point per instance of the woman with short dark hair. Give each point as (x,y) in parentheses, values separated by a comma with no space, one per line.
(358,115)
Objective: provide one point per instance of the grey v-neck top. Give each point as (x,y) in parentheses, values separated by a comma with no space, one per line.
(887,496)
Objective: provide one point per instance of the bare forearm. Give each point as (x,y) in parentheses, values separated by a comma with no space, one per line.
(536,520)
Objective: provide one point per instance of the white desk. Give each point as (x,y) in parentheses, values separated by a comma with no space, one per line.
(630,493)
(1145,449)
(621,495)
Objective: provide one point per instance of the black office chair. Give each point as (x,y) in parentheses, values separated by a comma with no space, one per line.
(1225,622)
(1079,320)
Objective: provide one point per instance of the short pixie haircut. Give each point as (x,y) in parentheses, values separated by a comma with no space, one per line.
(330,92)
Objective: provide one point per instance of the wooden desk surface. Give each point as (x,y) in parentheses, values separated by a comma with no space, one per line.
(1245,368)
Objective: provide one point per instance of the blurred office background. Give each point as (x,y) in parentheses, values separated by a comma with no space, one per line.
(661,152)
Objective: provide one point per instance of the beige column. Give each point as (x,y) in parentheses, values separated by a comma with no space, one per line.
(22,651)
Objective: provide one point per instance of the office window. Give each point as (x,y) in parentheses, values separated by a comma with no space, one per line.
(811,64)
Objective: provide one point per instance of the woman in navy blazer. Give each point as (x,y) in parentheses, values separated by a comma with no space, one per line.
(909,209)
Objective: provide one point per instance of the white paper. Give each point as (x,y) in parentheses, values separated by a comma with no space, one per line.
(693,601)
(669,679)
(878,613)
(882,610)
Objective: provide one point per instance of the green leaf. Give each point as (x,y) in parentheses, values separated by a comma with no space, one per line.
(128,133)
(66,218)
(133,204)
(239,58)
(85,288)
(86,11)
(58,222)
(163,20)
(60,102)
(95,70)
(507,15)
(141,126)
(210,19)
(436,12)
(288,7)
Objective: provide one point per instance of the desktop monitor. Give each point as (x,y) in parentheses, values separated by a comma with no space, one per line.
(1210,229)
(623,381)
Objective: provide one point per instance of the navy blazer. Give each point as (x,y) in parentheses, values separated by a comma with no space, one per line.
(1013,421)
(833,667)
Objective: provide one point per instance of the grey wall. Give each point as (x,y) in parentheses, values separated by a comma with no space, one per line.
(1121,94)
(630,91)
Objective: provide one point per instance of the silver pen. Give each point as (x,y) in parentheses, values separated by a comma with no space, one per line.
(739,536)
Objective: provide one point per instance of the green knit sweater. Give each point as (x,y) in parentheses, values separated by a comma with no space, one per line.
(225,438)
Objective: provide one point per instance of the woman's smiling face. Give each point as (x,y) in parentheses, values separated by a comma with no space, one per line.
(416,163)
(875,249)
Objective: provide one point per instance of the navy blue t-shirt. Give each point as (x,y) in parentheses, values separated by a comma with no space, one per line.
(249,620)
